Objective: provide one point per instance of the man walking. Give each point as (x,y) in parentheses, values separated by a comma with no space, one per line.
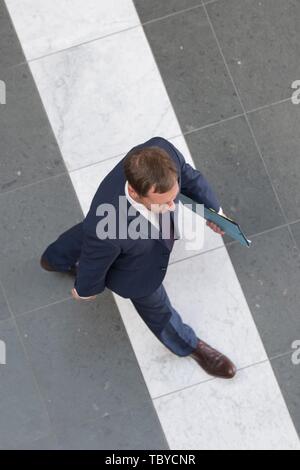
(150,179)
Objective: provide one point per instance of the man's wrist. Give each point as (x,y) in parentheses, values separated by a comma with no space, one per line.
(80,297)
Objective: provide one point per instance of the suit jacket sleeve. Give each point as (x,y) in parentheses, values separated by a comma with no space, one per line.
(95,260)
(195,185)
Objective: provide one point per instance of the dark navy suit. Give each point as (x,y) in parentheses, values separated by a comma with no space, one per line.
(131,268)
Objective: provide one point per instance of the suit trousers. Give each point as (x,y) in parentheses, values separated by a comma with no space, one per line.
(154,309)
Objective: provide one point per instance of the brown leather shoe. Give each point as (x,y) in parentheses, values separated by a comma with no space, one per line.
(45,265)
(213,362)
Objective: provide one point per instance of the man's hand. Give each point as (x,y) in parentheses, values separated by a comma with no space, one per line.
(214,226)
(77,297)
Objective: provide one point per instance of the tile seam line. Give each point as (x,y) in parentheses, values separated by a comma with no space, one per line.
(212,379)
(207,2)
(41,307)
(248,122)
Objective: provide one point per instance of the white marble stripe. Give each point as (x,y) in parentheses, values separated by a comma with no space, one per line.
(48,26)
(101,99)
(246,414)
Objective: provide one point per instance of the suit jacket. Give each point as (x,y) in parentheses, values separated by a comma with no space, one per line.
(132,268)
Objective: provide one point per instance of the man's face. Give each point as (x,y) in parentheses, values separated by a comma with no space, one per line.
(157,202)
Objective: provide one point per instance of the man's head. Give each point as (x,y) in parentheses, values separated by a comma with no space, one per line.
(152,178)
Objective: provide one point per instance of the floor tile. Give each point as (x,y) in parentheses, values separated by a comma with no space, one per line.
(269,273)
(288,376)
(277,132)
(246,414)
(52,23)
(208,239)
(136,428)
(192,69)
(296,232)
(4,310)
(45,443)
(11,51)
(228,157)
(83,361)
(96,99)
(87,180)
(23,414)
(29,149)
(152,9)
(260,42)
(32,218)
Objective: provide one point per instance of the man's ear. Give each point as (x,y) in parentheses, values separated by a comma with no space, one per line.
(132,191)
(130,188)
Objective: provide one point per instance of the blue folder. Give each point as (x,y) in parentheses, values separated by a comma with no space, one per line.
(229,226)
